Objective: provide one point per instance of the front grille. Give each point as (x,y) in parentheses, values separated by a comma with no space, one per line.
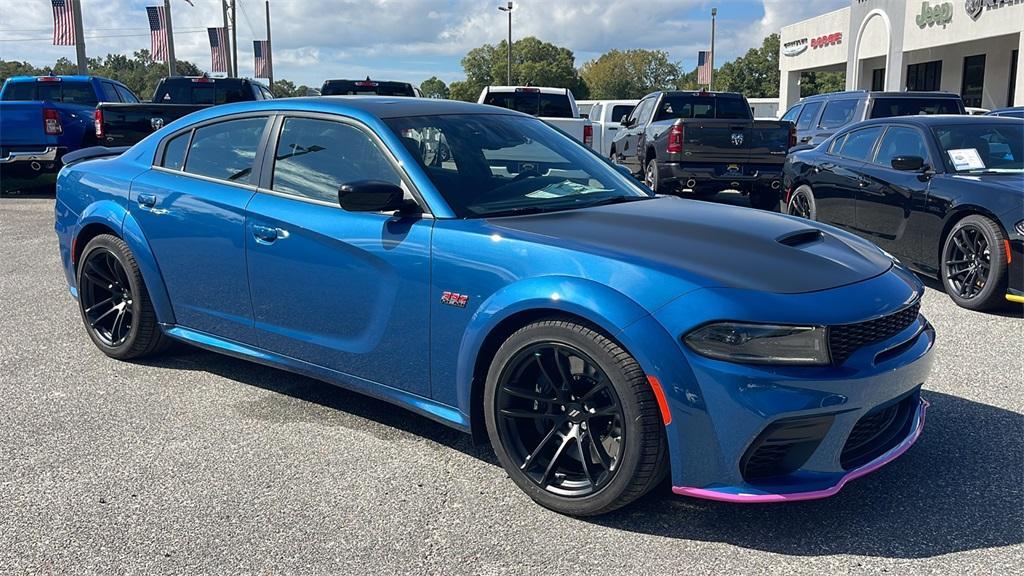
(783,446)
(878,431)
(845,339)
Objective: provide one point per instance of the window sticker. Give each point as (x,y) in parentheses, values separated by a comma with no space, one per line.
(966,159)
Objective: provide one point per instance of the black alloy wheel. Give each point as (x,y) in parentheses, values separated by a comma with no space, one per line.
(801,203)
(560,420)
(107,300)
(974,263)
(573,419)
(114,302)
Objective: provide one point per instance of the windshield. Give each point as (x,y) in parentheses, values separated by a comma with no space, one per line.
(58,91)
(909,106)
(691,106)
(982,148)
(496,164)
(531,102)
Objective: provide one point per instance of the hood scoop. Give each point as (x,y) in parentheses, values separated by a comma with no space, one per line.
(800,237)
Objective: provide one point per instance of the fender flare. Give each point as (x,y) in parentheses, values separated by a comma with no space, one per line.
(610,310)
(114,216)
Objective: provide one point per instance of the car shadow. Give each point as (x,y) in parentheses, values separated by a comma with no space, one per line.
(960,488)
(1007,310)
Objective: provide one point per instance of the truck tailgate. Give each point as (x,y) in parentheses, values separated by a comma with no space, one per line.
(126,124)
(769,140)
(21,125)
(716,140)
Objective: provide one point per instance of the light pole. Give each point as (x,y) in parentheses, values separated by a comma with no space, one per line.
(711,72)
(508,8)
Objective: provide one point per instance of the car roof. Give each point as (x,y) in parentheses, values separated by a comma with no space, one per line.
(925,120)
(860,93)
(377,106)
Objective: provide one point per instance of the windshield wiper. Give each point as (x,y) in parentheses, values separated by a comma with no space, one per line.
(520,211)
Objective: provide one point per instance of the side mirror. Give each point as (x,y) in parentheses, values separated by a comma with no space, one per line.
(908,163)
(626,122)
(371,196)
(584,115)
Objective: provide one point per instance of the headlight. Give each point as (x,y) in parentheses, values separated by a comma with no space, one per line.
(761,343)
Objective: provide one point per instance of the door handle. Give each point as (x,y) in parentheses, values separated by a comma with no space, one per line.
(265,234)
(147,200)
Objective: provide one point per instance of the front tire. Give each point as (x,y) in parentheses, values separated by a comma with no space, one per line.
(114,303)
(573,419)
(973,263)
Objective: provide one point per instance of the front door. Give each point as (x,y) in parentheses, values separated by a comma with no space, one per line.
(887,198)
(838,176)
(191,207)
(342,290)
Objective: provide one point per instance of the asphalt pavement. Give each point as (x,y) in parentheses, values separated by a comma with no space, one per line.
(195,463)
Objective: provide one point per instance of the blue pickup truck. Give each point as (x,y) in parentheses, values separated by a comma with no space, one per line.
(44,117)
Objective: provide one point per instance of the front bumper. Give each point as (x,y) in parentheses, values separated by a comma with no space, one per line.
(722,176)
(723,412)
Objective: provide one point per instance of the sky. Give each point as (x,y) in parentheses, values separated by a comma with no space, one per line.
(407,40)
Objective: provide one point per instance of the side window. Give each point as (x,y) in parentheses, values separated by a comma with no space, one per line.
(646,110)
(226,150)
(836,145)
(900,141)
(792,113)
(109,92)
(620,112)
(315,157)
(174,151)
(838,113)
(808,115)
(859,144)
(126,94)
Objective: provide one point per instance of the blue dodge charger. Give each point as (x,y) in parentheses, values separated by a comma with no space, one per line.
(479,267)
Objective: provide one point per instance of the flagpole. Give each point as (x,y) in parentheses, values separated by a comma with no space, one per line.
(711,70)
(234,38)
(270,60)
(227,55)
(172,66)
(83,67)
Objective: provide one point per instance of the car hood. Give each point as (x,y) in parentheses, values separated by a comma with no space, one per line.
(1008,182)
(712,244)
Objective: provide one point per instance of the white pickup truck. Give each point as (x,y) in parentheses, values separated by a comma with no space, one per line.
(607,116)
(556,106)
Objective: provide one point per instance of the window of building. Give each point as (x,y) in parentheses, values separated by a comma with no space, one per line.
(878,79)
(226,150)
(1013,77)
(974,80)
(315,157)
(924,76)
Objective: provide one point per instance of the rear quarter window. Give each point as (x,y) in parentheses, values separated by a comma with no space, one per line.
(174,151)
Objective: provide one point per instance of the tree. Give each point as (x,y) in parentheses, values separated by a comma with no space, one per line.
(629,74)
(755,74)
(287,89)
(434,87)
(533,62)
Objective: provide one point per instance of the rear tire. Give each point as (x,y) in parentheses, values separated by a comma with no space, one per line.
(114,303)
(573,419)
(801,203)
(652,177)
(973,264)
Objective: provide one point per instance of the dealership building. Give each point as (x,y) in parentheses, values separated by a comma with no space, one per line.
(970,47)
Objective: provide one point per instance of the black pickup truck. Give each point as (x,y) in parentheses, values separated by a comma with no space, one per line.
(704,142)
(126,124)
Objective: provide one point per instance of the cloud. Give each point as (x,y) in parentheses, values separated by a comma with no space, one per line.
(412,39)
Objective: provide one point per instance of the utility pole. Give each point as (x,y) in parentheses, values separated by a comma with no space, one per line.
(711,72)
(270,59)
(234,39)
(224,14)
(83,64)
(508,8)
(172,66)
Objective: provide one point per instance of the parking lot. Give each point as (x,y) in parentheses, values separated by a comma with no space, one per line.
(196,463)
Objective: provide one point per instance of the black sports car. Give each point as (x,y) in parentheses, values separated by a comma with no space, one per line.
(944,194)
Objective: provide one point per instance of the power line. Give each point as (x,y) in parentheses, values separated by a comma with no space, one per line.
(246,16)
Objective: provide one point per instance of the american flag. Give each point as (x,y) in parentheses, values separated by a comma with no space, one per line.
(261,50)
(218,49)
(63,23)
(704,67)
(158,32)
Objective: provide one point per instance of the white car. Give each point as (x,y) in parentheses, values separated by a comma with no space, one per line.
(606,116)
(556,106)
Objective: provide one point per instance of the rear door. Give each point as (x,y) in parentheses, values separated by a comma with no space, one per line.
(888,198)
(342,290)
(191,207)
(838,176)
